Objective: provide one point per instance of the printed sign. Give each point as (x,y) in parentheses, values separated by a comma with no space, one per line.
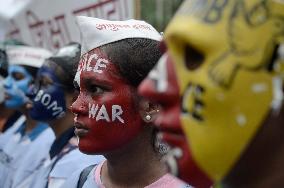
(52,25)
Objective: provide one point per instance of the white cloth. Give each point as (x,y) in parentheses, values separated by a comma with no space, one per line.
(63,169)
(25,55)
(4,137)
(34,158)
(25,155)
(96,32)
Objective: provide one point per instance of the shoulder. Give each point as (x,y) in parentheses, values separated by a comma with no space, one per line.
(75,160)
(87,181)
(72,181)
(46,132)
(44,138)
(169,181)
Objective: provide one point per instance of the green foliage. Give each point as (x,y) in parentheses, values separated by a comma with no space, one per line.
(159,12)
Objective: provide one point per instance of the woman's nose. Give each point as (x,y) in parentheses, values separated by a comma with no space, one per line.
(79,106)
(7,83)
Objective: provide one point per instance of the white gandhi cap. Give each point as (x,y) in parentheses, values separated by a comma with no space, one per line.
(97,32)
(26,55)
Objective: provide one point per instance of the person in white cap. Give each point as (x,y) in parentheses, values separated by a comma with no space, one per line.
(28,135)
(110,118)
(51,98)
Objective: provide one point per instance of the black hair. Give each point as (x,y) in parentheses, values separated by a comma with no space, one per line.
(135,57)
(3,55)
(3,63)
(31,70)
(68,64)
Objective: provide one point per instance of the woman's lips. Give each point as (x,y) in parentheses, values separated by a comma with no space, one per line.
(80,129)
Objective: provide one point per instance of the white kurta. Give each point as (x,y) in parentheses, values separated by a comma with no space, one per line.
(55,171)
(24,153)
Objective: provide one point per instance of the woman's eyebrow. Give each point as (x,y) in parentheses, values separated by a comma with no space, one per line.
(95,81)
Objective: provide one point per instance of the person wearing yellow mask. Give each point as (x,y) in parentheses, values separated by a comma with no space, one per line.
(222,81)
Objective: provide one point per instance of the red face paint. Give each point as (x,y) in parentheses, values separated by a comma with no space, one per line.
(161,86)
(107,116)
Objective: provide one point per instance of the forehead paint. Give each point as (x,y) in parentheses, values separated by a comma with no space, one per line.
(17,89)
(91,62)
(159,75)
(48,101)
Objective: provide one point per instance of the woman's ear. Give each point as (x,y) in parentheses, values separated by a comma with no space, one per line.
(148,110)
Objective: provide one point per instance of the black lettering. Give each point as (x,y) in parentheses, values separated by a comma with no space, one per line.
(214,13)
(192,103)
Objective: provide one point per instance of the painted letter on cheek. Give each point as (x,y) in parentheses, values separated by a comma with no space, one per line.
(116,112)
(56,110)
(38,96)
(45,100)
(102,114)
(93,110)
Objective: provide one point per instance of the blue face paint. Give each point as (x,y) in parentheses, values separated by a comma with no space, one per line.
(48,101)
(16,86)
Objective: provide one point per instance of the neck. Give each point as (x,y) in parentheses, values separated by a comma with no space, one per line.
(5,112)
(30,123)
(59,126)
(134,165)
(262,163)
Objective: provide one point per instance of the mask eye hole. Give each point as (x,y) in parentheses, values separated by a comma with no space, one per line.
(193,58)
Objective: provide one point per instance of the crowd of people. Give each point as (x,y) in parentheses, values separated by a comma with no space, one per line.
(199,106)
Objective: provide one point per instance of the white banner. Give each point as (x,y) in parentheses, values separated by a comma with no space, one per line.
(51,24)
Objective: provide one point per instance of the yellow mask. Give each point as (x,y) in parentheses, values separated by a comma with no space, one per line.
(225,56)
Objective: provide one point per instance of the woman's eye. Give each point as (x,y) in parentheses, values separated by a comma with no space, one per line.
(95,89)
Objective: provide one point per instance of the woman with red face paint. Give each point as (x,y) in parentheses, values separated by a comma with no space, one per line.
(52,94)
(111,119)
(223,75)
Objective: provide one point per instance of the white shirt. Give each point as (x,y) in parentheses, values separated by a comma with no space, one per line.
(27,152)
